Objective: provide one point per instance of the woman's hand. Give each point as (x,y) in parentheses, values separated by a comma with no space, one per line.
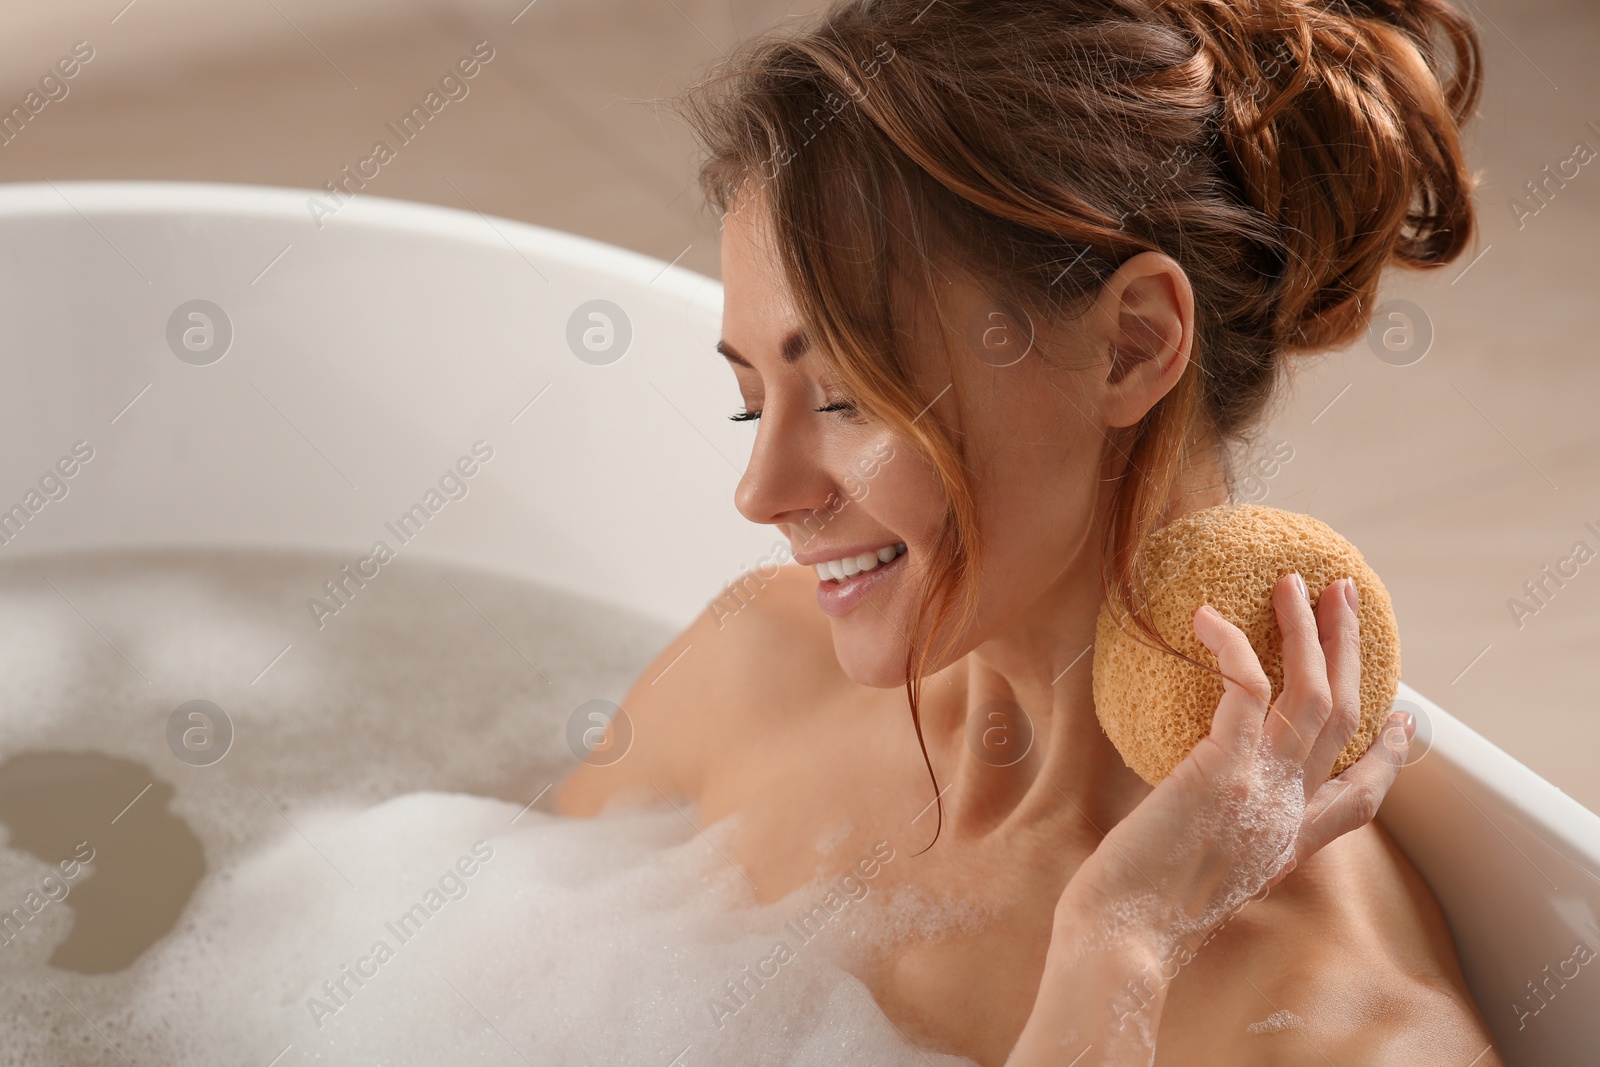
(1234,817)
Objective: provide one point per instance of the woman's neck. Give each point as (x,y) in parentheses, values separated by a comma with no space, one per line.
(1019,719)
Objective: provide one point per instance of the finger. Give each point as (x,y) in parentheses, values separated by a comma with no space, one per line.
(1351,800)
(1304,706)
(1242,709)
(1341,648)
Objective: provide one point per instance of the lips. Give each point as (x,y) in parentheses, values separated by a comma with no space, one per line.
(837,598)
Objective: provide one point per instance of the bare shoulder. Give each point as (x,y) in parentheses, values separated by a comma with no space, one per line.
(759,650)
(1348,960)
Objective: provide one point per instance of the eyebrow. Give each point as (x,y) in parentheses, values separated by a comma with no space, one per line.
(795,344)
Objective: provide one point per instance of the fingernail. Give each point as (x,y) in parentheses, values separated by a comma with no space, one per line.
(1405,721)
(1351,596)
(1300,585)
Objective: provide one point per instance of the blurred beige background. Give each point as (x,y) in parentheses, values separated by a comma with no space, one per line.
(1460,476)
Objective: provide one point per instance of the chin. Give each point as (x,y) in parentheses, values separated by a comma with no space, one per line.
(872,655)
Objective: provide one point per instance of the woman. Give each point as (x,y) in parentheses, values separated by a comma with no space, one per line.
(1003,281)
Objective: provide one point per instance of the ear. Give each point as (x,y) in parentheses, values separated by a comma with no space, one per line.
(1146,317)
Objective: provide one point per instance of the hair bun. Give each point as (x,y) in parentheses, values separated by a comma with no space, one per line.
(1339,125)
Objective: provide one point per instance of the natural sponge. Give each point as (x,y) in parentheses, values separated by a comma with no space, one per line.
(1156,707)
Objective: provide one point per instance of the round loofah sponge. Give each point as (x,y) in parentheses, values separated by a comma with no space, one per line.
(1156,707)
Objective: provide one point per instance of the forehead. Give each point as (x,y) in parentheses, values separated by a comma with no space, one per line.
(755,294)
(759,315)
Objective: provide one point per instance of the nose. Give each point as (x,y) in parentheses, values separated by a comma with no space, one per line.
(785,474)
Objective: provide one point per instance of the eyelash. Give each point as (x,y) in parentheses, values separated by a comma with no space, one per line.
(844,407)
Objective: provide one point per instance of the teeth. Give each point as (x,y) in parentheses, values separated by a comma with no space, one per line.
(850,566)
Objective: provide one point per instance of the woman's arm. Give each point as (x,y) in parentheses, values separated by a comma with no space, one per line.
(1231,820)
(1099,1002)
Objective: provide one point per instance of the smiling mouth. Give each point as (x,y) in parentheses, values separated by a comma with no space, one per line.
(838,597)
(839,571)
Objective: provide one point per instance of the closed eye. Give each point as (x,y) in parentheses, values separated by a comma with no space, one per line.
(843,406)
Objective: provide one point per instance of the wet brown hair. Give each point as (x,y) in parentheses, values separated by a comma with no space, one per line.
(1283,152)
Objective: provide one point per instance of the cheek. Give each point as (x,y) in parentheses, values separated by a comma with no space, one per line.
(1035,504)
(895,486)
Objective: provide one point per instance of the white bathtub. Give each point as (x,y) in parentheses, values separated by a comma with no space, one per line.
(369,352)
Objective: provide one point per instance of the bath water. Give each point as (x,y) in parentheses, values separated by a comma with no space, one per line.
(351,855)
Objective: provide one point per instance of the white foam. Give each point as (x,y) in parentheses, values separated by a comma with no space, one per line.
(576,941)
(1278,1020)
(356,793)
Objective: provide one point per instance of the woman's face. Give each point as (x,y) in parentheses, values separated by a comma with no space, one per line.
(1032,428)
